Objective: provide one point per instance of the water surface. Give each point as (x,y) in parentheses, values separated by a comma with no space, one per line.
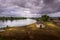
(22,22)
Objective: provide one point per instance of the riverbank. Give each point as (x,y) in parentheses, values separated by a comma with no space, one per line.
(50,32)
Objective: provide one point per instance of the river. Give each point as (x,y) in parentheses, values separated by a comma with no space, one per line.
(21,22)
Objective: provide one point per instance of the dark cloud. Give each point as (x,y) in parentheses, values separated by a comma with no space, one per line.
(48,1)
(22,7)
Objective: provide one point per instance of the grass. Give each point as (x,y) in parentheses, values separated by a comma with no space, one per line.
(50,32)
(50,24)
(2,38)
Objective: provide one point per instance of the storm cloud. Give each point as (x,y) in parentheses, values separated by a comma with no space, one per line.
(29,8)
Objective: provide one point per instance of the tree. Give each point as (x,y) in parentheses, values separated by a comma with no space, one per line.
(44,18)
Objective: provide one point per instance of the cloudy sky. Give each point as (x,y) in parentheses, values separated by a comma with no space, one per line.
(29,8)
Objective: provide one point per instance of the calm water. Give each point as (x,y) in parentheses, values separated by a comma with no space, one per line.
(16,22)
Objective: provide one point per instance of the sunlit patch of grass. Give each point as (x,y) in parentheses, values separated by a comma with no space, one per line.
(15,29)
(32,26)
(12,29)
(49,24)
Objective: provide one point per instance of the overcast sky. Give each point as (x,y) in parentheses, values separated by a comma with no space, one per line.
(29,8)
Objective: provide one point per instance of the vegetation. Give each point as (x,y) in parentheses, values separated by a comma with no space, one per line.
(44,18)
(11,18)
(22,33)
(31,32)
(1,38)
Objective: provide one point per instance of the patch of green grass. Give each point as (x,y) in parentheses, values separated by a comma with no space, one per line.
(2,38)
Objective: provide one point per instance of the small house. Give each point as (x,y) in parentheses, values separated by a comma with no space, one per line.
(40,25)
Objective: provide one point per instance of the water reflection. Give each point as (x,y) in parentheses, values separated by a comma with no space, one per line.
(23,22)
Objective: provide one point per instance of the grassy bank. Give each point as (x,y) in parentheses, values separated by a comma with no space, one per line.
(50,32)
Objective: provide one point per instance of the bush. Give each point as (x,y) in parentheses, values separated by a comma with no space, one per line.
(44,18)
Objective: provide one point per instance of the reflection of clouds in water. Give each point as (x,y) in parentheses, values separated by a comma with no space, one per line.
(2,24)
(10,23)
(17,22)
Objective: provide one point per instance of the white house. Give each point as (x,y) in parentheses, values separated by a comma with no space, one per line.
(40,25)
